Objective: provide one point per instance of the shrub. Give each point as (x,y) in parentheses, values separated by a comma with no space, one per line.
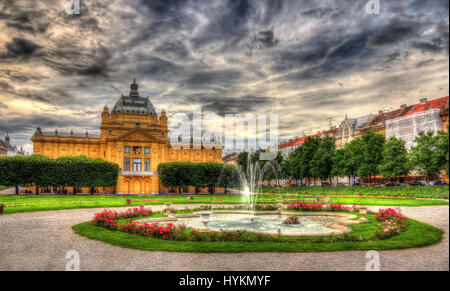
(392,222)
(268,207)
(108,218)
(318,207)
(387,214)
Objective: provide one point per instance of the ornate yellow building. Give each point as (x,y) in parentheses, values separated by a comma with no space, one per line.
(133,136)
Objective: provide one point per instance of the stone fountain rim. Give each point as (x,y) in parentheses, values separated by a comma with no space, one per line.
(340,223)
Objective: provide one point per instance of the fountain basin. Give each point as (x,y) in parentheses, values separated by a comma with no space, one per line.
(270,223)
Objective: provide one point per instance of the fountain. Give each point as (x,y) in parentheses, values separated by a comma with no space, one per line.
(266,222)
(205,217)
(251,179)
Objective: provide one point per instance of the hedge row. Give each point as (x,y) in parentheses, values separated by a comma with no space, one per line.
(181,175)
(42,171)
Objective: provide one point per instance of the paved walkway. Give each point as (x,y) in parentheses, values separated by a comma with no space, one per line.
(11,191)
(40,240)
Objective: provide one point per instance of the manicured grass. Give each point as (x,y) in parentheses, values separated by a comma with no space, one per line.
(3,187)
(17,204)
(418,234)
(404,191)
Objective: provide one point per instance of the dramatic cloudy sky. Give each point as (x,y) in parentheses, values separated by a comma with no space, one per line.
(306,60)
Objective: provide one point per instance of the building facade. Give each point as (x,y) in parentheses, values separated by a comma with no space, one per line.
(349,129)
(231,159)
(133,136)
(3,149)
(8,150)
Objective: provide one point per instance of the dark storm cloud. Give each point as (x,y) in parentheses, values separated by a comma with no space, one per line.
(51,96)
(439,41)
(318,12)
(20,48)
(396,31)
(213,78)
(92,62)
(263,39)
(228,105)
(318,57)
(173,50)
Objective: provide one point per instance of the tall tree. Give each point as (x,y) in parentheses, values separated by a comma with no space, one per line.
(322,163)
(309,150)
(395,162)
(373,146)
(443,145)
(341,161)
(354,157)
(426,156)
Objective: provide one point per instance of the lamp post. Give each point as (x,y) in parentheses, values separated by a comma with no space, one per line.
(363,213)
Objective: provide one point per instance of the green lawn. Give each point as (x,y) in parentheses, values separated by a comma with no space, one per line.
(16,204)
(3,187)
(418,234)
(406,191)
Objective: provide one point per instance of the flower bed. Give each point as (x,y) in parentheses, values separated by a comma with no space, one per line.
(392,222)
(318,207)
(108,218)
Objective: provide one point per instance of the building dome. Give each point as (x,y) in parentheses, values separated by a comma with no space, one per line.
(133,103)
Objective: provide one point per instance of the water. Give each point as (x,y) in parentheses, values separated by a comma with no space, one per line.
(269,224)
(251,179)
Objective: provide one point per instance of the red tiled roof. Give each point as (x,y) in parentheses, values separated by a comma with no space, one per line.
(230,157)
(302,140)
(382,117)
(432,104)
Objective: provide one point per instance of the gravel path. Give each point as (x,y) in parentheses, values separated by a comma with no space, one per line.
(40,240)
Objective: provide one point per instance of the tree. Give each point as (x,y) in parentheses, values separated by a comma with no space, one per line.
(426,156)
(309,149)
(341,160)
(181,175)
(354,157)
(372,157)
(395,162)
(322,162)
(13,172)
(443,145)
(291,165)
(229,177)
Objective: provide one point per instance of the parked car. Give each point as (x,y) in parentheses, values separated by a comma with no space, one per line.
(359,184)
(418,183)
(342,184)
(438,183)
(326,184)
(391,184)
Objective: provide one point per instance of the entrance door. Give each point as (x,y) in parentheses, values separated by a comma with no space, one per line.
(137,187)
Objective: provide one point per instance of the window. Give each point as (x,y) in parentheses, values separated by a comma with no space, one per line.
(126,150)
(126,165)
(147,165)
(147,150)
(137,165)
(138,125)
(137,150)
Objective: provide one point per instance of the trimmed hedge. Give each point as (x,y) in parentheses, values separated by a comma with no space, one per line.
(184,174)
(41,171)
